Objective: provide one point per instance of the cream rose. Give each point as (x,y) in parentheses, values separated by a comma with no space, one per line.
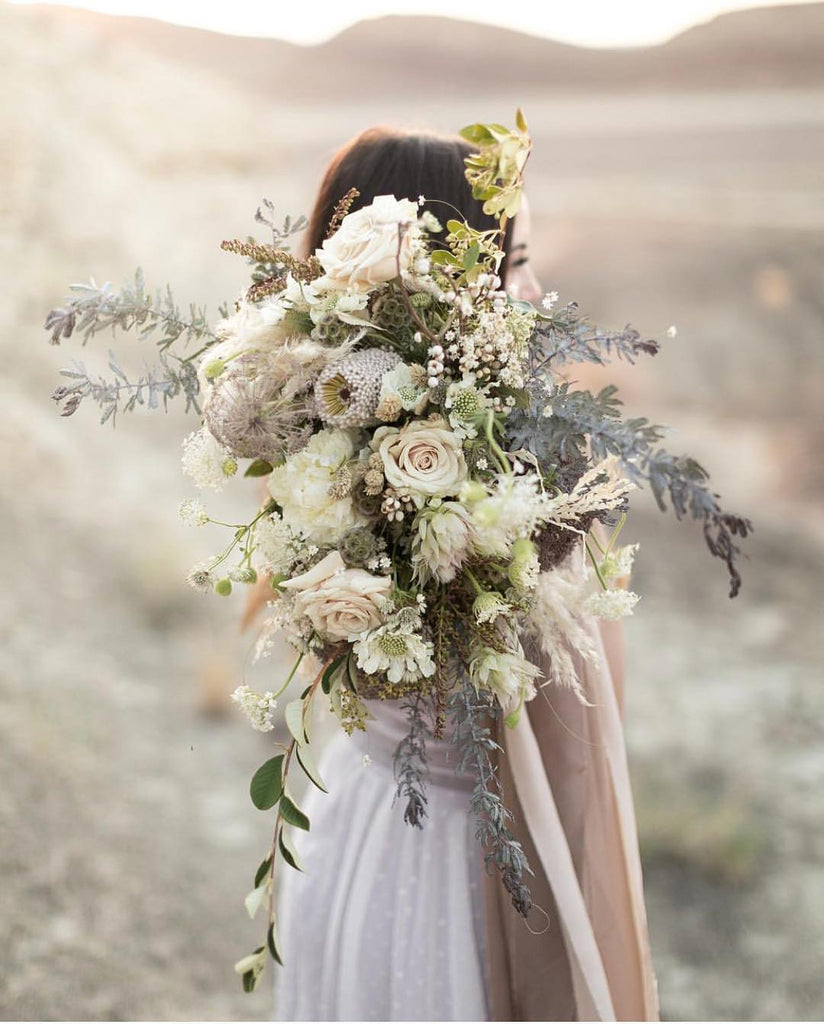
(424,457)
(363,252)
(339,602)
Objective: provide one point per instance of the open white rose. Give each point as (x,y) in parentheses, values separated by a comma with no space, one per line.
(363,252)
(340,603)
(423,457)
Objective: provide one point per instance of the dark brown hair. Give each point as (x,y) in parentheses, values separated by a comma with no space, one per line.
(406,164)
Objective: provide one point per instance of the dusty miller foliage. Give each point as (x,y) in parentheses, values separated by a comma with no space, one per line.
(581,419)
(156,314)
(93,309)
(470,713)
(410,761)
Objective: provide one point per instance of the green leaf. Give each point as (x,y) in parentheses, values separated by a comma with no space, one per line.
(260,467)
(288,851)
(477,133)
(293,815)
(272,943)
(455,227)
(470,257)
(249,981)
(266,787)
(520,121)
(442,257)
(294,720)
(352,672)
(331,668)
(308,765)
(263,870)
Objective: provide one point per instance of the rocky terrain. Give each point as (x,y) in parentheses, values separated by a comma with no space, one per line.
(680,184)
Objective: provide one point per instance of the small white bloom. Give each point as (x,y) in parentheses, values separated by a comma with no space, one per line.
(206,460)
(672,331)
(488,606)
(549,300)
(193,513)
(257,707)
(366,760)
(611,604)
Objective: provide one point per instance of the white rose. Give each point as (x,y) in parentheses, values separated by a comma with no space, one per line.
(424,457)
(340,603)
(363,252)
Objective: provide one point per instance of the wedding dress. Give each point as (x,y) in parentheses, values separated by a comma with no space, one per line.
(392,922)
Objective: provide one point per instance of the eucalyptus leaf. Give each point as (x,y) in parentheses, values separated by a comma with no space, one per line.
(293,815)
(266,787)
(263,870)
(308,765)
(273,944)
(288,851)
(294,720)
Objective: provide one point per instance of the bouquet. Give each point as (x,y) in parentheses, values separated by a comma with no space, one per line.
(439,498)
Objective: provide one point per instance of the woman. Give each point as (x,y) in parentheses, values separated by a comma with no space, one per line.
(401,923)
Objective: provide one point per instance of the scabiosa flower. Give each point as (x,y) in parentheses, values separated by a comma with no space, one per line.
(206,460)
(348,391)
(442,537)
(407,386)
(398,651)
(611,604)
(257,707)
(464,404)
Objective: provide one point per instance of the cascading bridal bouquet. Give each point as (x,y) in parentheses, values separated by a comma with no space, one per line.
(434,482)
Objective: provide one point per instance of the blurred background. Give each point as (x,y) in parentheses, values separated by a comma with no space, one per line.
(674,183)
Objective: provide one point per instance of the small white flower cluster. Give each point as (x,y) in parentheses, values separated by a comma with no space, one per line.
(611,604)
(193,513)
(206,460)
(257,707)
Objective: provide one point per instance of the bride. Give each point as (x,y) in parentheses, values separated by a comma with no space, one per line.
(392,922)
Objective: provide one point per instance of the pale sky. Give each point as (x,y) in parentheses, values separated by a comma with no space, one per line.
(584,22)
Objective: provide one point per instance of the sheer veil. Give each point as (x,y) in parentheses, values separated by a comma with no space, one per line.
(566,780)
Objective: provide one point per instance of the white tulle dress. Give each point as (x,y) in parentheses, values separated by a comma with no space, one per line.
(387,923)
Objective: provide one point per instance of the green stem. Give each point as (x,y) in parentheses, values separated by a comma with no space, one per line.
(595,565)
(291,675)
(495,448)
(478,588)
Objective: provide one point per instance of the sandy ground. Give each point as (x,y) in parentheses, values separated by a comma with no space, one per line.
(127,834)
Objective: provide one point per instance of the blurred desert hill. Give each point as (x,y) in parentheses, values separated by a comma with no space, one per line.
(757,48)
